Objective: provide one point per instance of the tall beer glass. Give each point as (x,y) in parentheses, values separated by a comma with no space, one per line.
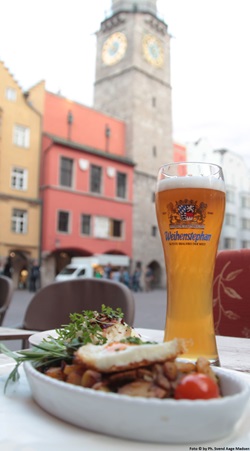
(190,204)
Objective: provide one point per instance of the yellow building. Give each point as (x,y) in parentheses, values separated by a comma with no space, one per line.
(20,206)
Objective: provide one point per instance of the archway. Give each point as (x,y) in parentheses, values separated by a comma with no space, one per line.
(63,256)
(20,262)
(157,273)
(54,261)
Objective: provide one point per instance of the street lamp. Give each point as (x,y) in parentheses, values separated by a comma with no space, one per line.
(70,120)
(107,135)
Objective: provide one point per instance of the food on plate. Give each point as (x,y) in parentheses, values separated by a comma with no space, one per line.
(147,370)
(197,386)
(95,327)
(89,326)
(124,355)
(100,351)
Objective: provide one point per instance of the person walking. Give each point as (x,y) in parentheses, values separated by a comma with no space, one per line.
(148,279)
(34,276)
(7,270)
(136,280)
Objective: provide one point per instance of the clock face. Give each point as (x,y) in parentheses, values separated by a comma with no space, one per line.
(114,48)
(153,50)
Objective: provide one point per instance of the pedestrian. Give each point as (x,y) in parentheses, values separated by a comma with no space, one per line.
(136,280)
(125,277)
(7,271)
(116,275)
(108,271)
(34,276)
(148,278)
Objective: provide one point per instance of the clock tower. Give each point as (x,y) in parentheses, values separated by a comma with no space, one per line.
(133,83)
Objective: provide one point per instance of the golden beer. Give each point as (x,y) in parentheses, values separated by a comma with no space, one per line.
(190,211)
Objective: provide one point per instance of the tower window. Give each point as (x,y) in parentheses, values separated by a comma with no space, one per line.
(154,101)
(154,231)
(154,151)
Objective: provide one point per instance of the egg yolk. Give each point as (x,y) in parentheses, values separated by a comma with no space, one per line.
(115,347)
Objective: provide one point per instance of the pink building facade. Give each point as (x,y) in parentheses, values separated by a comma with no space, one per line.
(86,185)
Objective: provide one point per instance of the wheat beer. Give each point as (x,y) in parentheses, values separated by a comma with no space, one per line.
(190,211)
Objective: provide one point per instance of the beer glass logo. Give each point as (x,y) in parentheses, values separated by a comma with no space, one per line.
(187,214)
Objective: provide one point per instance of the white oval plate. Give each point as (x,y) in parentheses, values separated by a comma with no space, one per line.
(148,420)
(35,339)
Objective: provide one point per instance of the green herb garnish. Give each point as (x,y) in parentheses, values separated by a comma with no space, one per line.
(84,328)
(137,341)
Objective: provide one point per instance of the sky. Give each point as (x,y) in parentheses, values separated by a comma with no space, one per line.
(54,40)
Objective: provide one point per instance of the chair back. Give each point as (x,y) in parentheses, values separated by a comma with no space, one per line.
(6,292)
(231,293)
(50,307)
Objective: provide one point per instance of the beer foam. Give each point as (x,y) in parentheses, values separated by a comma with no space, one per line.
(189,181)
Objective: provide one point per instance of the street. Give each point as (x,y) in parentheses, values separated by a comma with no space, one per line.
(150,308)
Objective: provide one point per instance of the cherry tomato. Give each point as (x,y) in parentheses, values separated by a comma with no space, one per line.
(197,386)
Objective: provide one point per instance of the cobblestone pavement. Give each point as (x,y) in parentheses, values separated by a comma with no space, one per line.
(150,308)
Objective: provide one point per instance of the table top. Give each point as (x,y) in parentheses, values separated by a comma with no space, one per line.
(234,352)
(12,333)
(37,430)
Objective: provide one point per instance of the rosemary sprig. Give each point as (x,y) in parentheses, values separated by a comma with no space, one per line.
(85,327)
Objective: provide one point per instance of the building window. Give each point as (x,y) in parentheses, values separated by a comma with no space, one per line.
(66,172)
(245,202)
(86,224)
(230,219)
(154,101)
(19,178)
(229,243)
(245,244)
(63,221)
(101,227)
(154,231)
(21,137)
(121,185)
(245,223)
(153,197)
(19,221)
(230,196)
(95,179)
(115,228)
(107,227)
(10,94)
(154,151)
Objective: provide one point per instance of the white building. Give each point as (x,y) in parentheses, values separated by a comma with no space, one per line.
(236,228)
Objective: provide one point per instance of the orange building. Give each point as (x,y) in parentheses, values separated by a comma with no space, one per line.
(20,206)
(86,182)
(180,153)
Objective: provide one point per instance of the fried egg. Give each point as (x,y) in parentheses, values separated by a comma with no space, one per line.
(119,331)
(117,356)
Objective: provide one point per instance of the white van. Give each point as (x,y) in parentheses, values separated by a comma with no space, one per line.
(81,267)
(73,271)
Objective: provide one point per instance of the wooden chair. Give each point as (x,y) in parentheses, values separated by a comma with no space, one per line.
(50,307)
(231,293)
(6,292)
